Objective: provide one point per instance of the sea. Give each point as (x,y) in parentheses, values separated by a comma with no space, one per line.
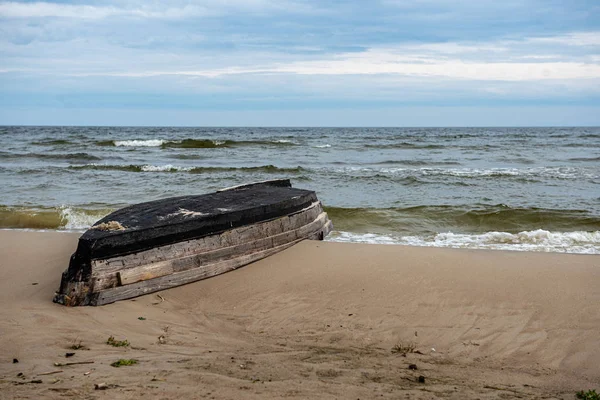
(531,189)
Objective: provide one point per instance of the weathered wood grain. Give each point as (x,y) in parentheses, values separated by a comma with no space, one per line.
(206,244)
(180,278)
(260,243)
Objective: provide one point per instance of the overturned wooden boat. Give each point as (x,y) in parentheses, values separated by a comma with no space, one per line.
(160,244)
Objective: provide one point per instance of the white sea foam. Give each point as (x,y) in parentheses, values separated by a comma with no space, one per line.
(350,237)
(323,146)
(78,220)
(467,172)
(140,143)
(164,168)
(545,172)
(548,172)
(539,240)
(345,170)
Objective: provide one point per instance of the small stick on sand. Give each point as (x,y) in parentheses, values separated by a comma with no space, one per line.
(25,383)
(50,373)
(72,363)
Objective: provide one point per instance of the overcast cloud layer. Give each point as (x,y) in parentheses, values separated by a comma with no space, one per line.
(284,62)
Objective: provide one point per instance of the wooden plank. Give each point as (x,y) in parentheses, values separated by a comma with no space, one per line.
(154,270)
(105,281)
(190,247)
(180,278)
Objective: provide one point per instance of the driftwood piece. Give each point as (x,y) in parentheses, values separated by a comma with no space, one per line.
(50,373)
(57,364)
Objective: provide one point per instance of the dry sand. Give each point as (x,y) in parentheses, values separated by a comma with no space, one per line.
(318,320)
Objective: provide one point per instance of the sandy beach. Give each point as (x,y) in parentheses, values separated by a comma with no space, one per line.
(319,320)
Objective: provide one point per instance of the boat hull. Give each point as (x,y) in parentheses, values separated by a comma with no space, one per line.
(101,277)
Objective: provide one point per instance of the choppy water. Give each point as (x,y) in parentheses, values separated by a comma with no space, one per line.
(503,188)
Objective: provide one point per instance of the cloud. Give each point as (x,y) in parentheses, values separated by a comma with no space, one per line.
(571,39)
(452,69)
(304,53)
(510,61)
(43,10)
(353,66)
(179,10)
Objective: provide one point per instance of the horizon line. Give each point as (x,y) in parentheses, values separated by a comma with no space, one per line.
(297,126)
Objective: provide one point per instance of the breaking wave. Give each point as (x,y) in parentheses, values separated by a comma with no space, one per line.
(405,145)
(52,142)
(50,156)
(61,218)
(534,173)
(194,143)
(580,242)
(417,163)
(484,227)
(194,170)
(585,159)
(464,219)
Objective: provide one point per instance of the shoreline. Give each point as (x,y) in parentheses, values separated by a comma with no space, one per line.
(386,240)
(317,320)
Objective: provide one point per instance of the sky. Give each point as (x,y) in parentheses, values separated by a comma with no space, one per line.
(300,63)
